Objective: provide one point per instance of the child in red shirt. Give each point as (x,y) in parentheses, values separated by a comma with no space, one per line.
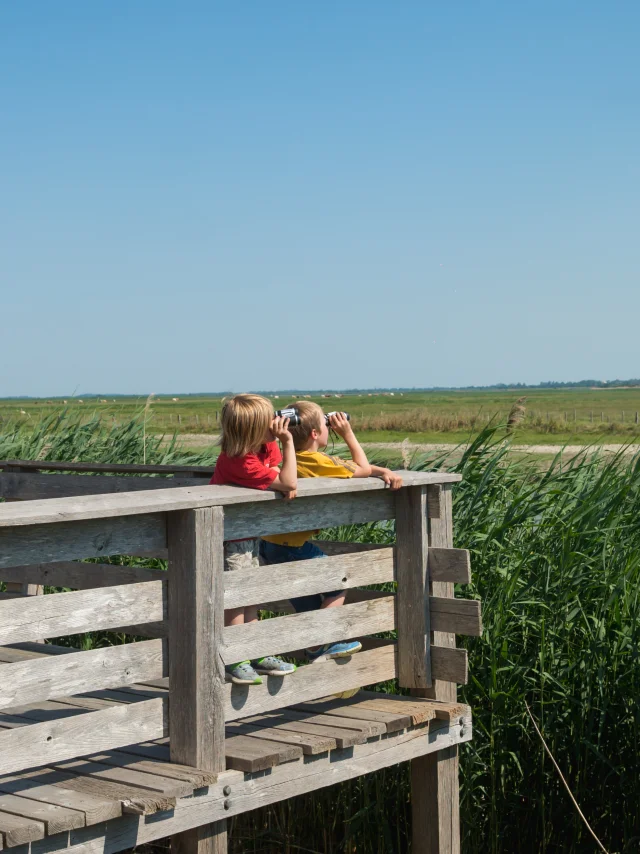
(250,457)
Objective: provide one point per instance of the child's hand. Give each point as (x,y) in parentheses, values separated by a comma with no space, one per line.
(289,495)
(390,478)
(280,429)
(340,424)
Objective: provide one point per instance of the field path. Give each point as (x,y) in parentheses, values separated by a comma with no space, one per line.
(200,440)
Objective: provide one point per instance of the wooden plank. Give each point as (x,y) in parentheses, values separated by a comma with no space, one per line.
(81,735)
(16,486)
(249,792)
(47,786)
(460,616)
(434,778)
(311,745)
(15,830)
(334,547)
(368,726)
(152,502)
(56,819)
(82,611)
(197,676)
(253,754)
(132,799)
(81,576)
(447,663)
(68,540)
(391,721)
(116,468)
(298,578)
(449,565)
(434,504)
(344,737)
(414,659)
(283,634)
(49,677)
(122,759)
(98,770)
(422,709)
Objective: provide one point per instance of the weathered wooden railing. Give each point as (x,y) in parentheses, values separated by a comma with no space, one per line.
(42,541)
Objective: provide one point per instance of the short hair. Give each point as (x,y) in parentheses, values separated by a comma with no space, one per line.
(311,418)
(245,420)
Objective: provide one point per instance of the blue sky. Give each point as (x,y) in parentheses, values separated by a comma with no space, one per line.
(200,196)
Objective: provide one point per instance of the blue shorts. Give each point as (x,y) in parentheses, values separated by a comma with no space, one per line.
(275,553)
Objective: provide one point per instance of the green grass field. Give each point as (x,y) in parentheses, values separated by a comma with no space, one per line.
(551,417)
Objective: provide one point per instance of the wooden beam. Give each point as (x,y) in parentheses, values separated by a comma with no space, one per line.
(414,660)
(449,565)
(116,468)
(196,670)
(80,576)
(434,778)
(16,486)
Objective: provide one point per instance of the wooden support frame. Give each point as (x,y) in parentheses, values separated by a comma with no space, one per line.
(435,792)
(196,670)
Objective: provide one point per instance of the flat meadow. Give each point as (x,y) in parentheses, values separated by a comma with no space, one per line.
(575,416)
(555,555)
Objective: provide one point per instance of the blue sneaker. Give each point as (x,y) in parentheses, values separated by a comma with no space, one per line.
(242,674)
(341,649)
(273,665)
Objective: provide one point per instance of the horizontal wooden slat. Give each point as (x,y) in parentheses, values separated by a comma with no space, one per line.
(317,680)
(80,576)
(117,468)
(283,634)
(450,565)
(447,663)
(32,680)
(335,547)
(15,830)
(459,616)
(56,510)
(81,735)
(59,614)
(300,578)
(90,538)
(15,486)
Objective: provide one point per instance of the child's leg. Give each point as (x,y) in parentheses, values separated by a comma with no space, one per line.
(240,555)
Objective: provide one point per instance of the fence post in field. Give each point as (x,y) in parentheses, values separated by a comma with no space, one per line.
(636,416)
(196,670)
(591,416)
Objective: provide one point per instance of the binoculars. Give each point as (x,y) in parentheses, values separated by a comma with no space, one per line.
(294,416)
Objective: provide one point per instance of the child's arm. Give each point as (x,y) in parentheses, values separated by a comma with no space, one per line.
(344,429)
(363,467)
(287,480)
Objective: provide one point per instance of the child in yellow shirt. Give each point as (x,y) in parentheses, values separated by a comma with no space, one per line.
(309,437)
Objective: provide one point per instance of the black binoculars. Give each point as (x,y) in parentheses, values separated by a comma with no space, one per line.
(294,416)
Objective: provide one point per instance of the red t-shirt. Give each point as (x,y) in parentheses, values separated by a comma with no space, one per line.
(255,471)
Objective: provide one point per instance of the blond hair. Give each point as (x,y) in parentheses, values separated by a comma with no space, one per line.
(311,418)
(245,420)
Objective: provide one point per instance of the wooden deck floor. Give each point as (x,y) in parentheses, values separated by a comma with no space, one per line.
(139,780)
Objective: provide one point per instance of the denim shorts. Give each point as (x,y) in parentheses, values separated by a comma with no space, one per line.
(276,553)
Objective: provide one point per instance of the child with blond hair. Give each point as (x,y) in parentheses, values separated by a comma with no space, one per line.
(250,457)
(310,437)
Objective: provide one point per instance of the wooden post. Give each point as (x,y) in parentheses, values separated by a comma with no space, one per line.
(412,598)
(196,669)
(434,778)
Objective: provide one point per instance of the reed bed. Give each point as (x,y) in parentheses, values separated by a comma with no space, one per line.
(556,561)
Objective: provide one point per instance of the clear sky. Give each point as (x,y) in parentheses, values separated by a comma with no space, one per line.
(198,196)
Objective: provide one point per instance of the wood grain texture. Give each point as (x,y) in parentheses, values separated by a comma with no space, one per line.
(252,792)
(116,468)
(312,628)
(460,616)
(30,680)
(34,486)
(57,510)
(16,830)
(43,543)
(449,565)
(59,614)
(414,659)
(434,778)
(81,576)
(81,735)
(196,670)
(300,578)
(56,819)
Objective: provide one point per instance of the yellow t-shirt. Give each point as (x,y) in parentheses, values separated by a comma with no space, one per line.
(313,464)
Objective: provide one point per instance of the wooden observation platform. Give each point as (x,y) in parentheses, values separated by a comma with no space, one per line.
(104,749)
